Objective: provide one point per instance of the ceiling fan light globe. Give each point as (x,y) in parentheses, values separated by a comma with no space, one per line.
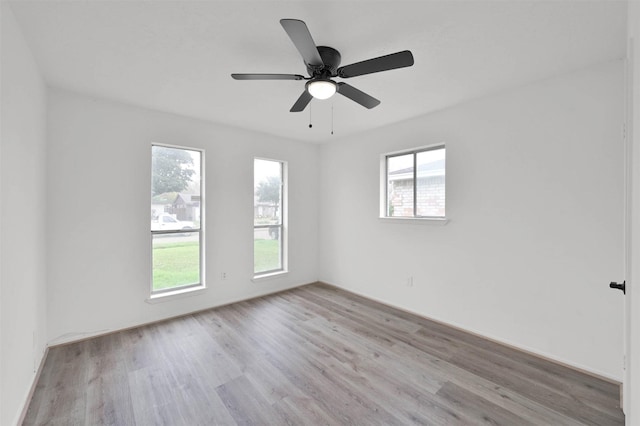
(321,89)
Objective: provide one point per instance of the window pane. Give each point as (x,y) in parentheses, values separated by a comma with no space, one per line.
(175,189)
(267,191)
(400,186)
(175,206)
(268,184)
(176,260)
(267,249)
(431,183)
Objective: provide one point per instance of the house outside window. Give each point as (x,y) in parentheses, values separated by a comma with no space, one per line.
(415,183)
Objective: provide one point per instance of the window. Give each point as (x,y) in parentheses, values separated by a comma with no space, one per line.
(268,214)
(415,183)
(176,219)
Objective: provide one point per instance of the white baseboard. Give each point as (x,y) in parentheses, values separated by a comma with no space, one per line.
(69,338)
(32,389)
(551,358)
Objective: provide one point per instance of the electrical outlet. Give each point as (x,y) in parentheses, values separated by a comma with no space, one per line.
(223,276)
(410,282)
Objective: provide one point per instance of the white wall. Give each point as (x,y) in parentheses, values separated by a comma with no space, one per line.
(632,378)
(99,184)
(534,198)
(22,220)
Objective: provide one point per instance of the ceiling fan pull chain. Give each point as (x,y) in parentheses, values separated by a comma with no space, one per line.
(310,125)
(332,118)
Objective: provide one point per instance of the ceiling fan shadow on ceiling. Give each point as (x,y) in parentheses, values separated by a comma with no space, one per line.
(323,64)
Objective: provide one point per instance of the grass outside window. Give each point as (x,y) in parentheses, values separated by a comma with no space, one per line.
(175,263)
(266,255)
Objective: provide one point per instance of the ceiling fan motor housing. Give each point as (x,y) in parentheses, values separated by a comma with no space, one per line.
(331,59)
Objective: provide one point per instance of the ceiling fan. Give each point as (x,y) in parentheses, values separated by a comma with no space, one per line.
(322,64)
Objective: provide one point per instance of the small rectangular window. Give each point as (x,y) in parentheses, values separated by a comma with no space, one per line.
(176,219)
(415,183)
(268,215)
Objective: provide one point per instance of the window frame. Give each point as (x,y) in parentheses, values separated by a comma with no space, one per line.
(384,184)
(283,228)
(187,288)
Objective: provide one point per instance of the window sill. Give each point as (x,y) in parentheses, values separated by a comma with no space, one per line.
(269,276)
(177,294)
(437,221)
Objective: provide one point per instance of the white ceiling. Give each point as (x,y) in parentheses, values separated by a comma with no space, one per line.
(177,56)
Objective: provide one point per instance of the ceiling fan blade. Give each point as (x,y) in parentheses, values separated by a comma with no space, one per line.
(302,102)
(267,77)
(301,38)
(382,63)
(358,96)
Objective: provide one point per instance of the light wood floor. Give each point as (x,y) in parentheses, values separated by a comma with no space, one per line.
(312,355)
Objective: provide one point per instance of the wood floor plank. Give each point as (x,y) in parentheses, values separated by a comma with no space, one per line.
(107,393)
(555,380)
(501,396)
(246,406)
(506,376)
(304,410)
(65,397)
(151,394)
(321,374)
(312,355)
(271,383)
(477,409)
(557,377)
